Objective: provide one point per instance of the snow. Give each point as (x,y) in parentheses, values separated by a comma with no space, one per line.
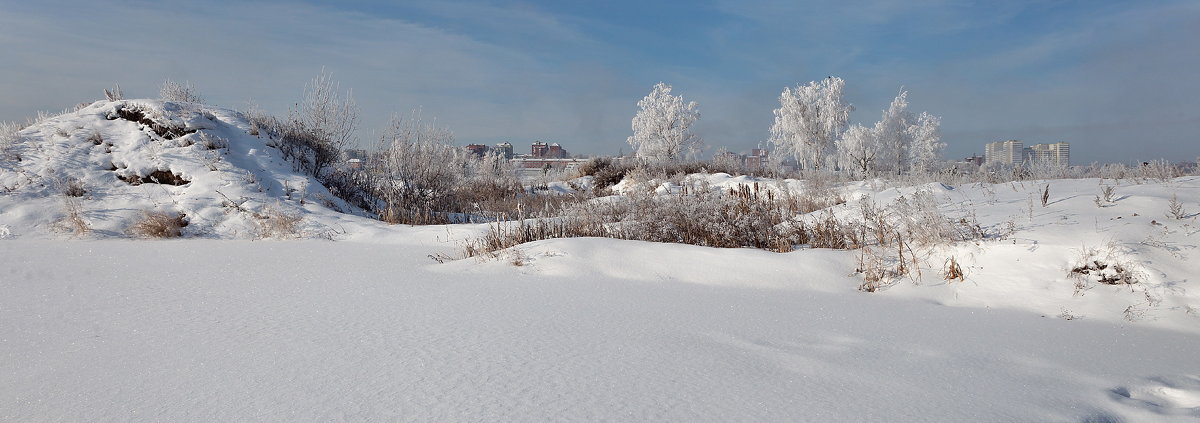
(385,323)
(248,171)
(116,330)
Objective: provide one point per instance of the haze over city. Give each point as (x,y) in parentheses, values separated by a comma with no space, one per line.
(1117,80)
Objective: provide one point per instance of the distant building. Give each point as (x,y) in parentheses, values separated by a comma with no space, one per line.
(757,159)
(975,159)
(541,150)
(1011,152)
(504,149)
(1058,153)
(538,149)
(479,150)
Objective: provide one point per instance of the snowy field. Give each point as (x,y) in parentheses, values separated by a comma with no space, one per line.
(361,321)
(586,330)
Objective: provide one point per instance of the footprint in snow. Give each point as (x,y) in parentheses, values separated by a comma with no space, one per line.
(1178,395)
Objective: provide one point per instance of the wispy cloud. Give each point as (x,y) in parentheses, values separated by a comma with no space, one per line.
(572,72)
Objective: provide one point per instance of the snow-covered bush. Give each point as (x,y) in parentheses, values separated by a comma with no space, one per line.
(179,92)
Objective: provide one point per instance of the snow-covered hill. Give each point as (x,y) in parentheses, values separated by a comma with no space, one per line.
(113,161)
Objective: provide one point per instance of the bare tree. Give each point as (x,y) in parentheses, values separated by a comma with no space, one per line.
(325,119)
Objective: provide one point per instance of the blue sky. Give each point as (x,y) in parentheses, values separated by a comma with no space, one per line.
(1118,80)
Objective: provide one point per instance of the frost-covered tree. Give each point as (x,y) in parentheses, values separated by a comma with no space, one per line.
(893,136)
(927,145)
(662,127)
(858,150)
(808,120)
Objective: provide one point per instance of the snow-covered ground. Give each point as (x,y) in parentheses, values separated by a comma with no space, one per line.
(585,330)
(386,323)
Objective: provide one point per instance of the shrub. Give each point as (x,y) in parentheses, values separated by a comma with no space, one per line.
(608,176)
(1107,192)
(72,187)
(276,223)
(1175,208)
(159,225)
(594,166)
(179,92)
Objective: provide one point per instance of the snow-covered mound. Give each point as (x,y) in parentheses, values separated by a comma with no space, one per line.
(100,169)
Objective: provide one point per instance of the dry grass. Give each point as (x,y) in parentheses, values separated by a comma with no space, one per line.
(159,225)
(73,220)
(276,223)
(748,216)
(953,271)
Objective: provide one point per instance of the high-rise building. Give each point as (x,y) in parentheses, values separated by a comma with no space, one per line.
(1007,152)
(1058,153)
